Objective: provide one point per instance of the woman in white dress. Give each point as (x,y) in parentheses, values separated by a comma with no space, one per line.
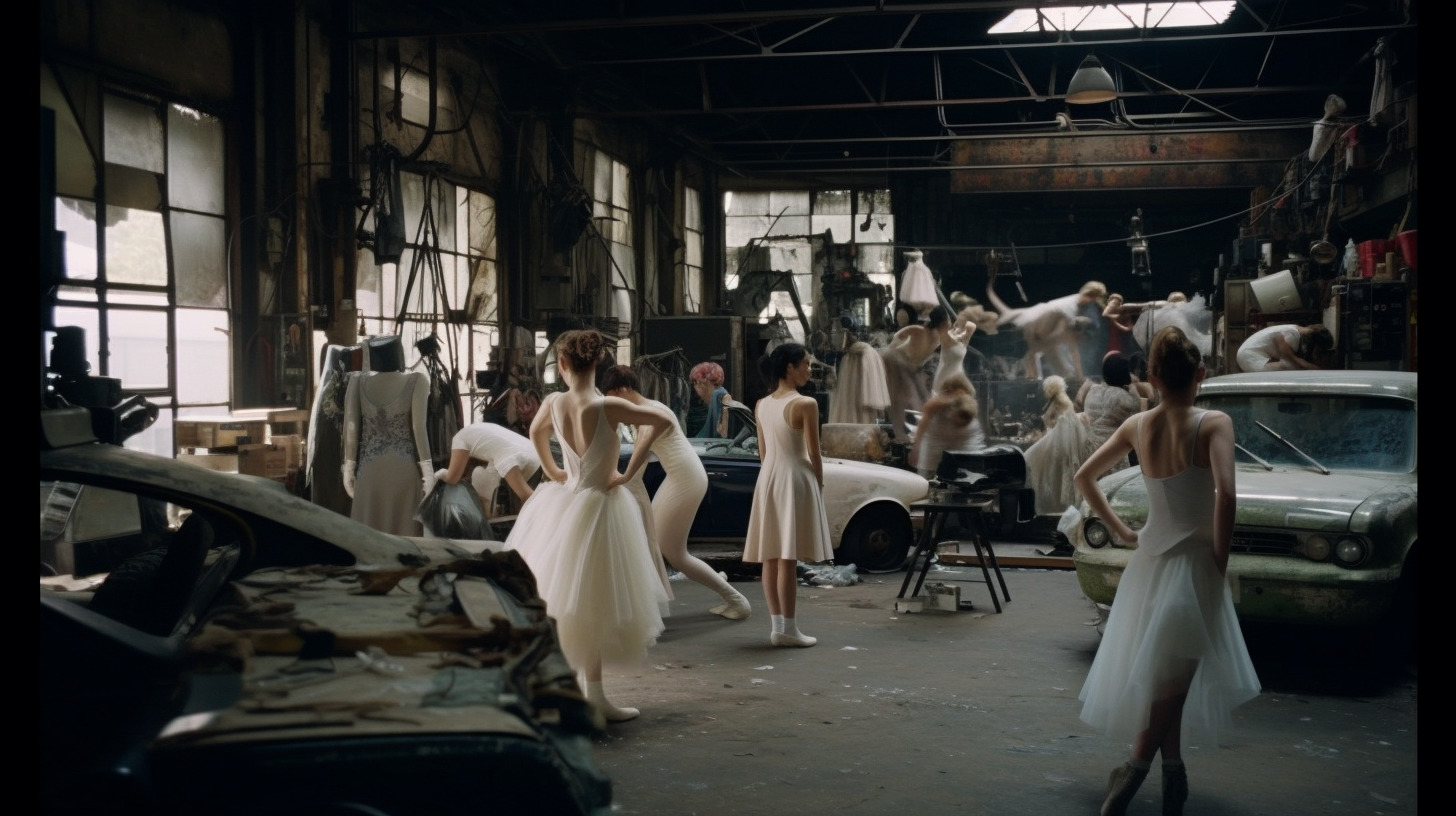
(786,522)
(583,538)
(670,513)
(1172,657)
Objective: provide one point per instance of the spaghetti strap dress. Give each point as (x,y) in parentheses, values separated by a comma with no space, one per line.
(787,518)
(588,549)
(1173,615)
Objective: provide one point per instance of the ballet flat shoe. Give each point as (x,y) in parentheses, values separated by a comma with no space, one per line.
(785,639)
(737,609)
(1122,786)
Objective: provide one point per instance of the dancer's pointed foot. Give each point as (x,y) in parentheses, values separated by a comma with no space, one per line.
(1122,785)
(735,609)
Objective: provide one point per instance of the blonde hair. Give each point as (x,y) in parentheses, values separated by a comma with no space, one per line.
(1096,290)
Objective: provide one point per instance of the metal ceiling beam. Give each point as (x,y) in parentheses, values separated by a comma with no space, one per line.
(1123,161)
(907,104)
(1081,45)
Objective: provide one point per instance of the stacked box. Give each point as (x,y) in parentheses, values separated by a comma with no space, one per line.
(270,461)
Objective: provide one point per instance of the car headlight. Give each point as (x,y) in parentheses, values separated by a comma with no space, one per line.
(1317,548)
(1096,534)
(1350,551)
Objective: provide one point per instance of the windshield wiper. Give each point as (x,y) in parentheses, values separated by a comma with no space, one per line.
(1286,443)
(1245,451)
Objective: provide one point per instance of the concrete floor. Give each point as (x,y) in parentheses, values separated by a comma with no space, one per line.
(974,712)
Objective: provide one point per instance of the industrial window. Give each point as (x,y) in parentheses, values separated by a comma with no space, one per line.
(446,283)
(692,276)
(145,249)
(780,245)
(1113,16)
(612,214)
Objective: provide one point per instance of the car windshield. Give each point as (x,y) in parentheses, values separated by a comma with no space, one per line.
(1340,432)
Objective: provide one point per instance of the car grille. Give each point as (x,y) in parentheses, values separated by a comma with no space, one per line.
(1263,542)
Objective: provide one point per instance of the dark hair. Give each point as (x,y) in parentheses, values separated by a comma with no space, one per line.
(939,316)
(774,366)
(1137,362)
(582,349)
(1318,339)
(619,376)
(1116,371)
(1173,358)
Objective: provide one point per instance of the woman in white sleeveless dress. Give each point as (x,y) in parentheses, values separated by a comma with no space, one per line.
(670,513)
(1172,656)
(786,522)
(582,537)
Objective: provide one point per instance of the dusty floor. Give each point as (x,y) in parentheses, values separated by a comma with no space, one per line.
(973,712)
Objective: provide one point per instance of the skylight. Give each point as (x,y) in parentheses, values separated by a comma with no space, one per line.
(1116,16)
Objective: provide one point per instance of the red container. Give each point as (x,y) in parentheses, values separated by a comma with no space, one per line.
(1406,243)
(1371,253)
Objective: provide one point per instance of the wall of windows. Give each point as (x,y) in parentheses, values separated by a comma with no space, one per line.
(787,251)
(146,248)
(446,283)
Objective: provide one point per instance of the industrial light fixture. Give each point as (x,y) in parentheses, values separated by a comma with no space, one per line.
(1091,84)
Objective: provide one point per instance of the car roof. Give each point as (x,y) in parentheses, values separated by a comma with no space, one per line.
(1348,381)
(123,469)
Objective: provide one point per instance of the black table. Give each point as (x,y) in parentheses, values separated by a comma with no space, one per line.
(970,511)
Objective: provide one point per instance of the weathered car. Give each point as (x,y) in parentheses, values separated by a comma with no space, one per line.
(1325,531)
(211,643)
(868,505)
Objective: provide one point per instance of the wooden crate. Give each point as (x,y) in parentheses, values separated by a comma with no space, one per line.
(219,432)
(266,460)
(223,462)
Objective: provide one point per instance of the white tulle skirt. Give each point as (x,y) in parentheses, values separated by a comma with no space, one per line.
(1173,617)
(593,565)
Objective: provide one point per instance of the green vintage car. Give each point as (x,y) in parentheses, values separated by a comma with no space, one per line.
(1326,524)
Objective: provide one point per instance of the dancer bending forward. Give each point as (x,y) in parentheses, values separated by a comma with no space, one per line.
(671,511)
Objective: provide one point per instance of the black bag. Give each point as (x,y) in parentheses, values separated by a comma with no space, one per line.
(452,511)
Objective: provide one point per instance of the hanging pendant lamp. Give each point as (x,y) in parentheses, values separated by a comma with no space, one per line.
(1091,84)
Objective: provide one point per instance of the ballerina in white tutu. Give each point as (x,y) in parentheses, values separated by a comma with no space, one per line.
(1173,656)
(583,537)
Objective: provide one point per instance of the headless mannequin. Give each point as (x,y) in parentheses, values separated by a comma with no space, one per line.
(385,442)
(326,429)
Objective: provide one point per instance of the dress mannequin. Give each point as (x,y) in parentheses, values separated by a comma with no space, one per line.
(387,467)
(326,429)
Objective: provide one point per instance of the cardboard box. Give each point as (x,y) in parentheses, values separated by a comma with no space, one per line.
(223,462)
(291,444)
(270,461)
(219,432)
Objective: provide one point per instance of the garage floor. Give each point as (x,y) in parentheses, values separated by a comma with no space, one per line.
(974,712)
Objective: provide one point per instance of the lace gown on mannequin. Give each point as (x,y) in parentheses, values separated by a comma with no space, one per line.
(387,488)
(1173,615)
(588,549)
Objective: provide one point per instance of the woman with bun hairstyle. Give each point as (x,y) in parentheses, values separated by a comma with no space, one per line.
(583,538)
(787,523)
(1172,657)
